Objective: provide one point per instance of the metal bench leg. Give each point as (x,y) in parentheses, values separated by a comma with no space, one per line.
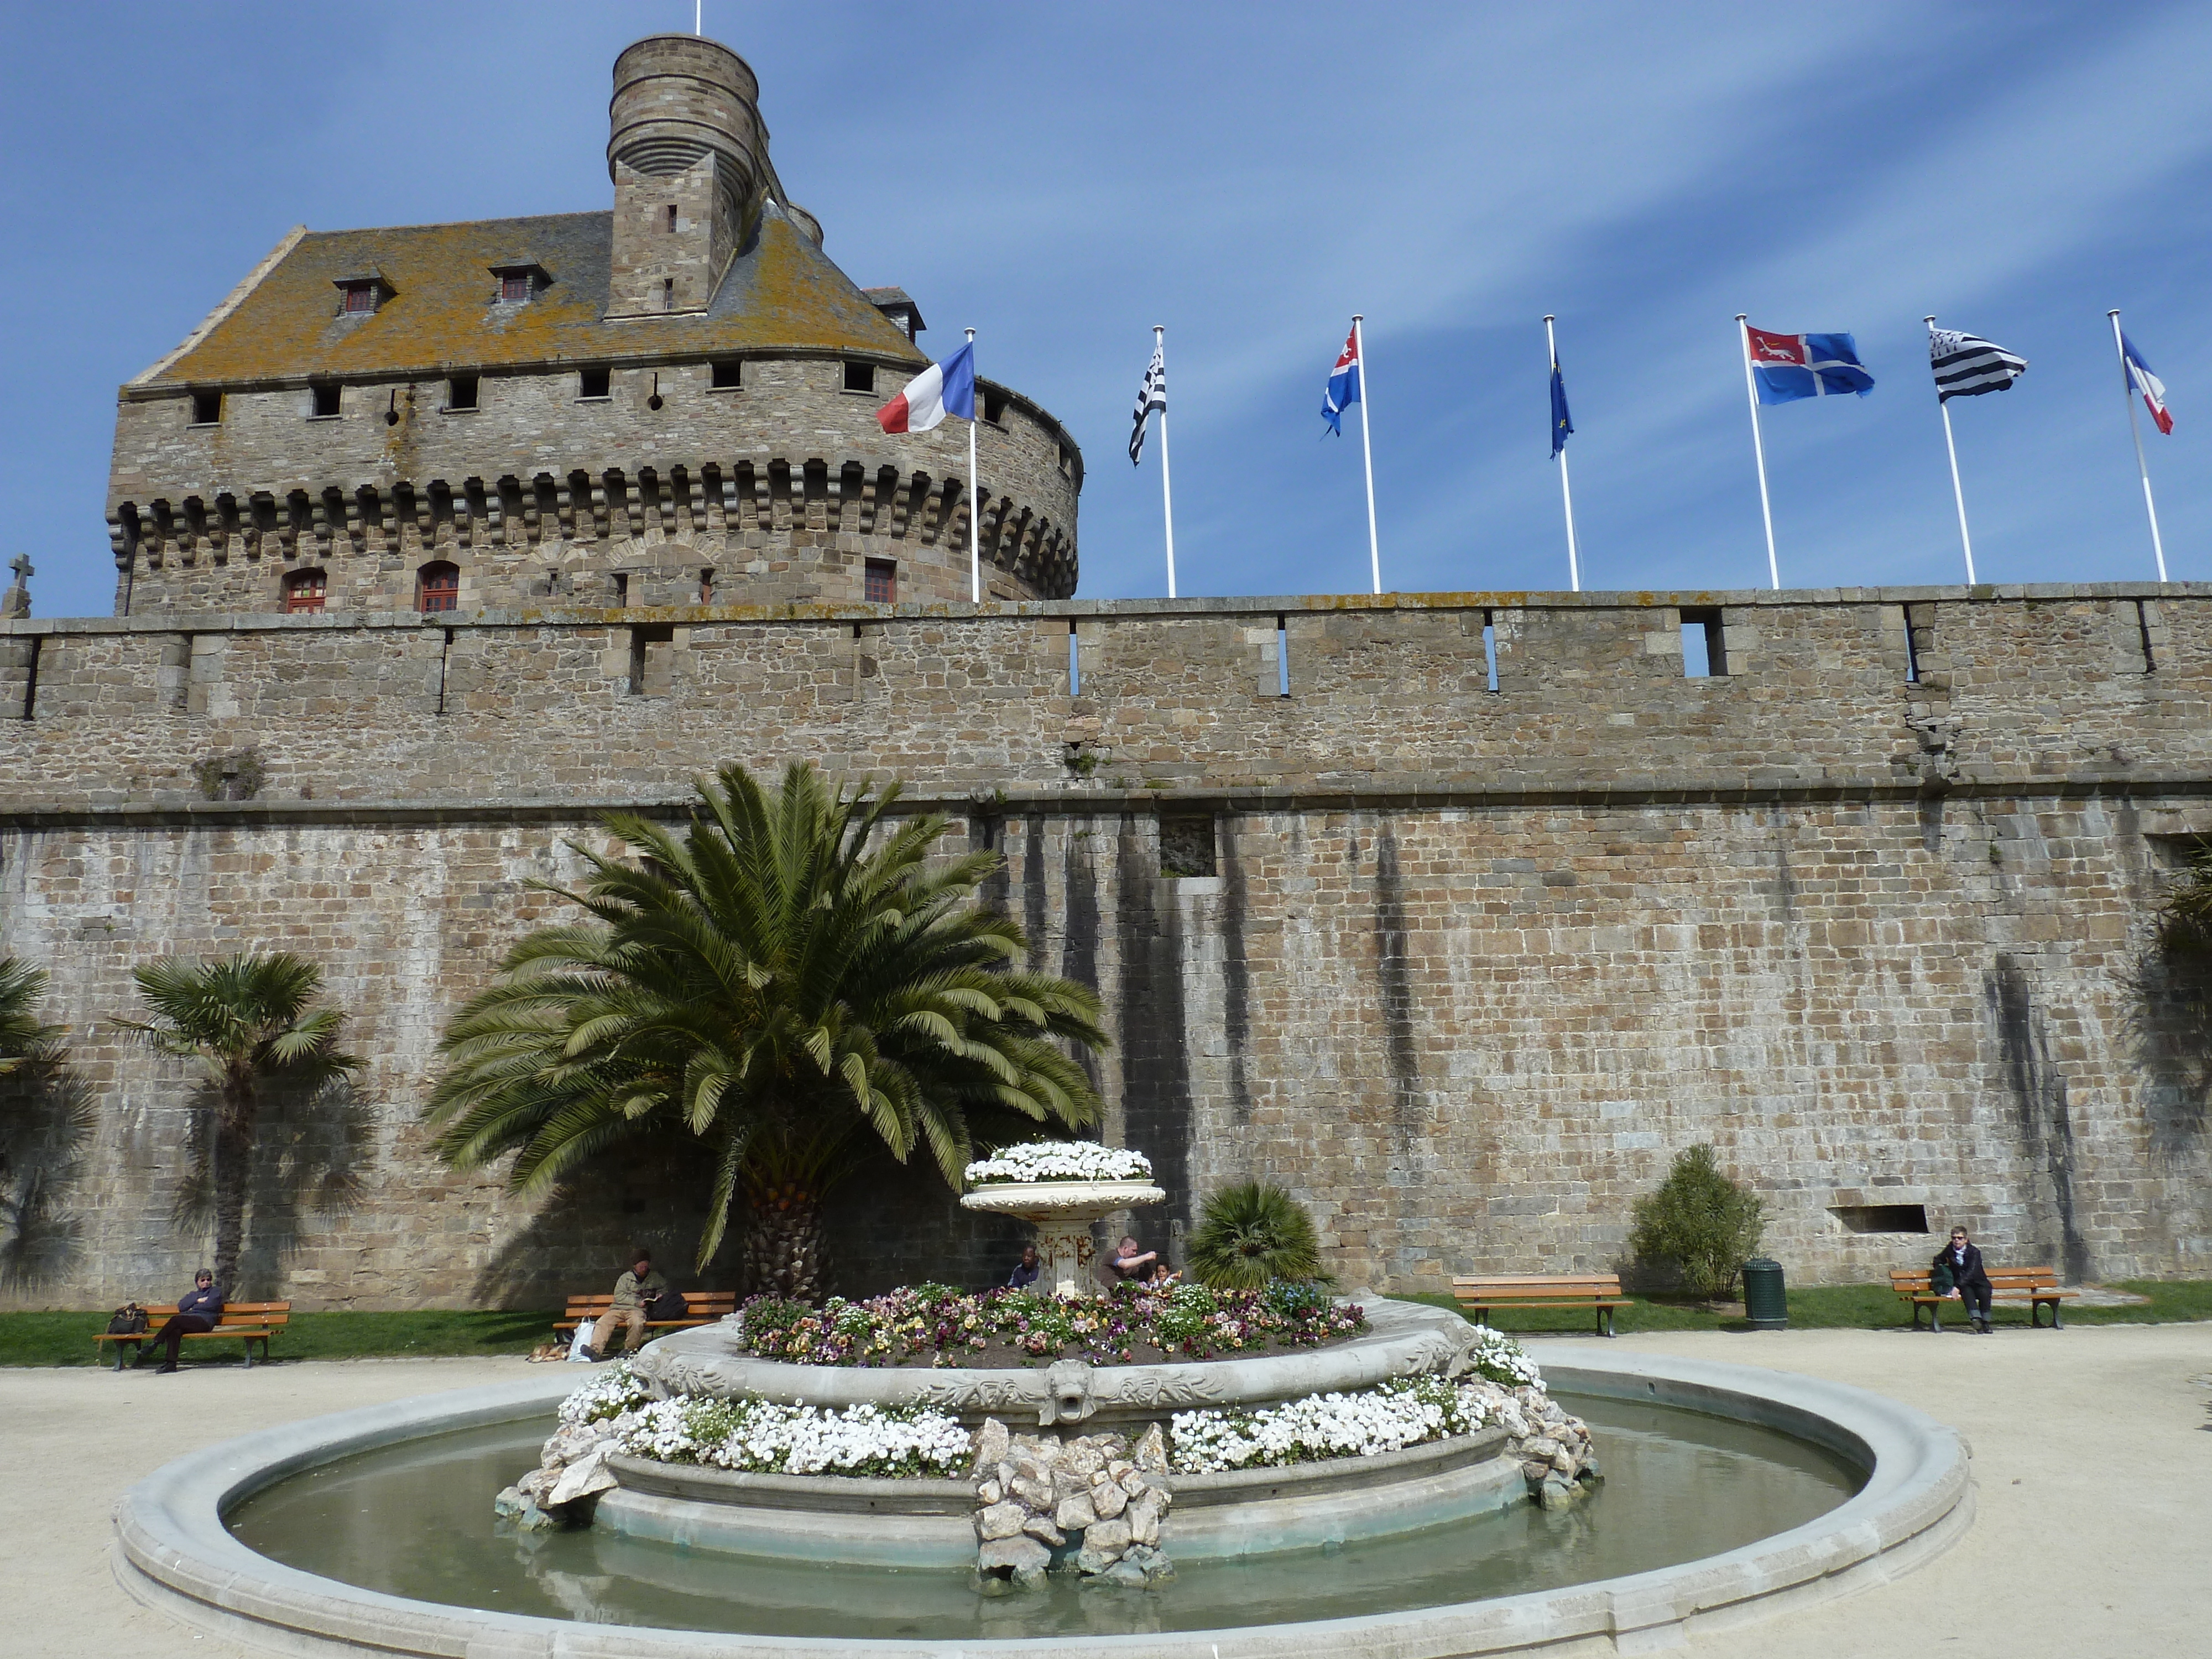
(1936,1319)
(247,1344)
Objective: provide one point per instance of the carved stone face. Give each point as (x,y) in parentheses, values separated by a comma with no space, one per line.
(1067,1393)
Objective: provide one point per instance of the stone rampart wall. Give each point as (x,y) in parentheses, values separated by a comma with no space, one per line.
(1469,968)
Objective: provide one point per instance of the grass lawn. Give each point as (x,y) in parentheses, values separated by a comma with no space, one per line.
(66,1338)
(1849,1307)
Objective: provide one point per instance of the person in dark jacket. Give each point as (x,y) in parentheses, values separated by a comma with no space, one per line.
(1970,1281)
(1026,1270)
(197,1310)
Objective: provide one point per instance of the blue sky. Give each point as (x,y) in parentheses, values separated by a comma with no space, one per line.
(1250,176)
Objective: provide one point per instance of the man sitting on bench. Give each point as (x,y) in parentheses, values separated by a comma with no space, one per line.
(635,1291)
(197,1310)
(1961,1263)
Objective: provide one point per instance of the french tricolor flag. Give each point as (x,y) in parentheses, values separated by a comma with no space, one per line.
(2147,385)
(942,389)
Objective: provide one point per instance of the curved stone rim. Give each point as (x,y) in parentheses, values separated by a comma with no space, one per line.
(1402,1339)
(1047,1197)
(173,1551)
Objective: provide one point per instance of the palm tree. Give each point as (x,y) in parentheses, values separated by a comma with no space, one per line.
(2185,919)
(249,1019)
(789,985)
(22,1037)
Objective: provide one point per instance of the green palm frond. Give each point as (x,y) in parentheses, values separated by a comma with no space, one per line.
(788,979)
(23,1036)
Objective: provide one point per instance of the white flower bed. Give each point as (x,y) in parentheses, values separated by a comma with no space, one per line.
(1500,1357)
(610,1394)
(1061,1160)
(760,1437)
(1408,1411)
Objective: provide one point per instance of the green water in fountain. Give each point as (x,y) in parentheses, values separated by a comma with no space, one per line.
(415,1520)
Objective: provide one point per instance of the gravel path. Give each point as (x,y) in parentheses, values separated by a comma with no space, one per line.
(2092,1455)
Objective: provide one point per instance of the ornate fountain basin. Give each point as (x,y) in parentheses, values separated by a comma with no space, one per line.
(1062,1211)
(1403,1339)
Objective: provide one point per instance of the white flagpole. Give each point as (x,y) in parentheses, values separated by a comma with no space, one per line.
(2135,431)
(1567,495)
(975,518)
(1367,450)
(1957,493)
(1758,445)
(1167,493)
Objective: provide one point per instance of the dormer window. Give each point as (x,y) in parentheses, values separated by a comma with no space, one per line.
(897,304)
(517,284)
(361,293)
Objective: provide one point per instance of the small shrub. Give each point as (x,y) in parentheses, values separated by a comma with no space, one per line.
(1252,1234)
(1700,1222)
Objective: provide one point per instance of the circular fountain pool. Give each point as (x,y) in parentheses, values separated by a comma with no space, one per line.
(414,1521)
(1724,1487)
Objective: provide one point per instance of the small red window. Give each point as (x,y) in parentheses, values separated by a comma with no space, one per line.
(360,297)
(438,587)
(880,582)
(304,590)
(515,285)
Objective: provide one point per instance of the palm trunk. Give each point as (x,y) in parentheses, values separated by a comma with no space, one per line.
(233,1155)
(787,1244)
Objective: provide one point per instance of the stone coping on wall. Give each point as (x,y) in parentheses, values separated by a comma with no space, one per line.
(1083,800)
(1032,609)
(173,1551)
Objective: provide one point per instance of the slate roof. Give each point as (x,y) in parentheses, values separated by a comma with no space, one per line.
(782,291)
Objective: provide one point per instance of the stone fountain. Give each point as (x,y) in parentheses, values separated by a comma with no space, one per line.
(1062,1213)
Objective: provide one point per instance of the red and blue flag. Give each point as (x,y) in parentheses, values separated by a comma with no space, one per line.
(1789,367)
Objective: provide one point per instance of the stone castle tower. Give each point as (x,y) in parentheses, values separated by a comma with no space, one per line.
(670,403)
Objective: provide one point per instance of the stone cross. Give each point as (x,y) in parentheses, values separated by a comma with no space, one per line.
(16,601)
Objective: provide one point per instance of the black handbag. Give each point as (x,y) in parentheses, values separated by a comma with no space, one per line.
(669,1304)
(130,1321)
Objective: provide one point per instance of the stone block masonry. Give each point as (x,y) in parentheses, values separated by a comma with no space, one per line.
(1871,912)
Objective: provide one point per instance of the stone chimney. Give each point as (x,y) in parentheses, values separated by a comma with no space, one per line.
(689,157)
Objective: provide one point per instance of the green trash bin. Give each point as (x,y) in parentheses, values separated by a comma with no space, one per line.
(1766,1304)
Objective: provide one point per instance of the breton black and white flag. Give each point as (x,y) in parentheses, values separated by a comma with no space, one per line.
(1966,367)
(1153,395)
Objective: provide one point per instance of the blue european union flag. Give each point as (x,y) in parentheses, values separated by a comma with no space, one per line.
(1562,423)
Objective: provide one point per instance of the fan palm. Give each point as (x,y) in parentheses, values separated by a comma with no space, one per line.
(22,1036)
(1251,1235)
(250,1019)
(789,984)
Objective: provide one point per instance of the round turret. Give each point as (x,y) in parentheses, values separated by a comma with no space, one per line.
(679,97)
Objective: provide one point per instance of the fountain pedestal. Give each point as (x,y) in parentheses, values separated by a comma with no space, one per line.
(1062,1211)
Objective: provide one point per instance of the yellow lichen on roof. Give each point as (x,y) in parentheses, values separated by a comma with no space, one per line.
(440,314)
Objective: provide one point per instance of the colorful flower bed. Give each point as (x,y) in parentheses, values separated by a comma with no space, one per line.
(1407,1412)
(939,1325)
(1059,1160)
(760,1437)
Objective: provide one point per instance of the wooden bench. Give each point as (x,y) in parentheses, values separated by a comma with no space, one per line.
(1600,1292)
(2037,1286)
(248,1323)
(706,1306)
